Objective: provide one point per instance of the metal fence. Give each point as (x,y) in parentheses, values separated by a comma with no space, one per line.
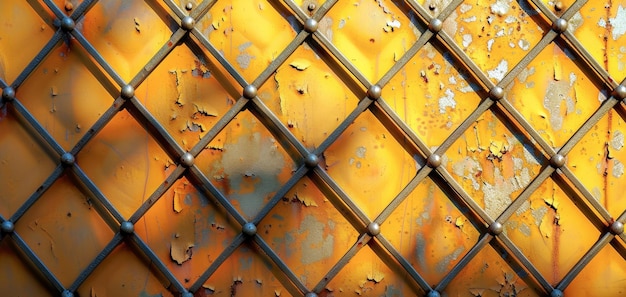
(305,21)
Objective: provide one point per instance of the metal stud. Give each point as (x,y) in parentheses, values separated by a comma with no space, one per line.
(67,24)
(8,94)
(311,160)
(433,293)
(557,161)
(311,7)
(249,92)
(189,6)
(433,161)
(127,227)
(249,229)
(127,92)
(556,293)
(67,159)
(373,229)
(374,92)
(620,92)
(7,227)
(187,23)
(617,228)
(495,228)
(310,294)
(186,294)
(435,25)
(559,26)
(67,293)
(310,25)
(187,160)
(496,93)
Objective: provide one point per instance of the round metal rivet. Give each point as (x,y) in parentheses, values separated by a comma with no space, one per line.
(249,229)
(189,6)
(186,294)
(495,228)
(310,294)
(127,227)
(127,92)
(67,293)
(559,26)
(311,160)
(249,92)
(187,159)
(374,92)
(557,161)
(556,293)
(373,229)
(496,93)
(435,25)
(433,161)
(617,228)
(67,159)
(310,25)
(187,23)
(620,92)
(311,7)
(8,94)
(433,293)
(67,24)
(7,227)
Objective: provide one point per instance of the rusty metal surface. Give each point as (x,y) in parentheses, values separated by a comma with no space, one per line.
(372,148)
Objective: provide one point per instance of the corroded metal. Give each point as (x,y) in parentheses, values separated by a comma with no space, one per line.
(486,222)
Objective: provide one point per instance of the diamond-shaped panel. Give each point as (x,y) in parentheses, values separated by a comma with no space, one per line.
(17,278)
(554,95)
(551,231)
(308,97)
(373,35)
(250,35)
(307,232)
(184,96)
(64,96)
(369,164)
(16,53)
(110,279)
(126,34)
(19,154)
(431,95)
(600,30)
(492,164)
(120,156)
(430,231)
(186,231)
(52,226)
(604,270)
(246,163)
(491,34)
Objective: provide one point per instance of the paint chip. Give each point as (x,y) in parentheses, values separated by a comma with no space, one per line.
(180,251)
(300,64)
(375,276)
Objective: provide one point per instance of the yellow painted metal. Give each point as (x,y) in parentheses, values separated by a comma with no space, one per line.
(491,161)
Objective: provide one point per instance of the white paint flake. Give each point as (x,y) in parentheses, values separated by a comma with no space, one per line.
(467,39)
(446,101)
(618,23)
(500,70)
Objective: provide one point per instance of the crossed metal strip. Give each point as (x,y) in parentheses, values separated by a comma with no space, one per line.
(144,112)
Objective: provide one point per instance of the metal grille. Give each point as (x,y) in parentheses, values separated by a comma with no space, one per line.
(310,162)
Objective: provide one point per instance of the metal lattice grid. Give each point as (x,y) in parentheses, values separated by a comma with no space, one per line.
(494,99)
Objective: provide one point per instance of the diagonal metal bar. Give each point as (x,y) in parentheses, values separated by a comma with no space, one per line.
(157,194)
(361,241)
(482,242)
(280,264)
(58,171)
(41,267)
(160,266)
(113,243)
(217,262)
